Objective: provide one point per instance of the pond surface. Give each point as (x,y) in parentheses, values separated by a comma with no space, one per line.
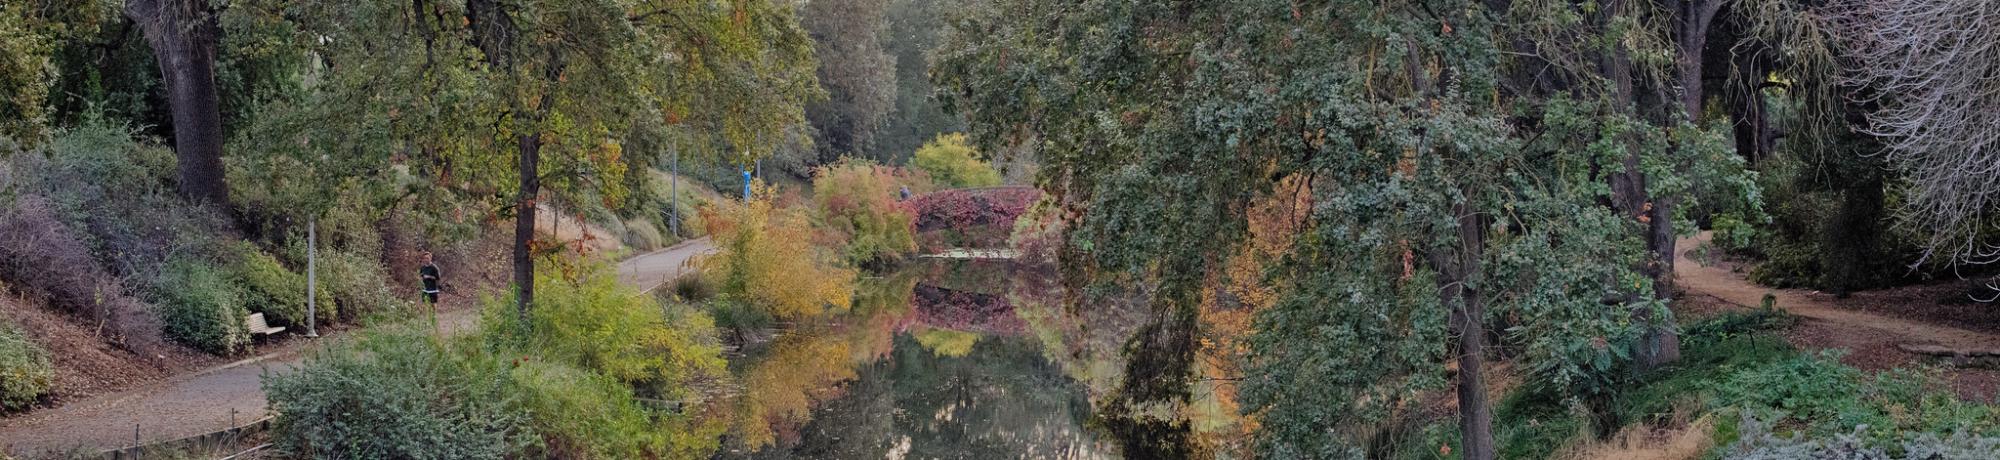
(943,359)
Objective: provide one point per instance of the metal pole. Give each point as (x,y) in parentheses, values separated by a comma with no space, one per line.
(674,196)
(312,278)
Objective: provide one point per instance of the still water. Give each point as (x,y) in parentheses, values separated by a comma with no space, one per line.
(942,359)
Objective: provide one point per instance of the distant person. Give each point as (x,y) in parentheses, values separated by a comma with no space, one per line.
(431,279)
(906,193)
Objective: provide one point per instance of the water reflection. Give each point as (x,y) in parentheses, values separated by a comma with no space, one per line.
(940,360)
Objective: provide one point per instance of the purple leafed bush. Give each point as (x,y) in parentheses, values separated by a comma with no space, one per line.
(48,262)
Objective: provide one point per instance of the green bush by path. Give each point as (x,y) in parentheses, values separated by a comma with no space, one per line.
(601,371)
(276,291)
(1770,401)
(25,373)
(596,324)
(202,307)
(397,393)
(358,285)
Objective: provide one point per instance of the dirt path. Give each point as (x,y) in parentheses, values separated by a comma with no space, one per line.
(208,400)
(1733,288)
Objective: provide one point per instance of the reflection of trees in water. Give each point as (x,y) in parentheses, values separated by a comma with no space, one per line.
(1003,400)
(802,367)
(1130,357)
(860,385)
(965,311)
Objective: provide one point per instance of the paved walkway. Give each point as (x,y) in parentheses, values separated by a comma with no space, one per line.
(208,400)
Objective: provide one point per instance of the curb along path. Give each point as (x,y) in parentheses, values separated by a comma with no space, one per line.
(210,399)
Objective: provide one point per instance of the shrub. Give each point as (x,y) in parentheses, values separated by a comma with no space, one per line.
(275,291)
(599,325)
(640,234)
(693,287)
(357,284)
(25,373)
(953,163)
(739,317)
(971,218)
(1733,234)
(855,200)
(1759,441)
(582,414)
(398,394)
(594,347)
(45,260)
(767,260)
(204,309)
(1739,323)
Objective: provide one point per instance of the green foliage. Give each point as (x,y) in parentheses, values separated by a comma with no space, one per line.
(693,287)
(204,308)
(739,317)
(275,291)
(1705,359)
(468,96)
(855,201)
(1442,180)
(600,371)
(1827,398)
(25,373)
(595,324)
(1760,440)
(1734,234)
(30,36)
(1734,324)
(914,26)
(859,76)
(357,284)
(584,414)
(953,163)
(1533,424)
(1826,233)
(397,393)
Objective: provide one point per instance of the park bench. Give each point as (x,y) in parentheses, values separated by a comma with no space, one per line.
(258,326)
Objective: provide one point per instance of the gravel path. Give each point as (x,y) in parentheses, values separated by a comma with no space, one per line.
(1733,288)
(208,400)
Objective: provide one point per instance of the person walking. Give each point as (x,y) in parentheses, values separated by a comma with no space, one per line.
(433,282)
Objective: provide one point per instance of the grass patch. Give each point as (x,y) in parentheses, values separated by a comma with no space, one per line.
(25,373)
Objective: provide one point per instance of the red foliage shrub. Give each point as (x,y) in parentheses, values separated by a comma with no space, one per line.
(982,217)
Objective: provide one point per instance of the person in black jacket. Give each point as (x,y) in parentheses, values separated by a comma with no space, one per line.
(431,277)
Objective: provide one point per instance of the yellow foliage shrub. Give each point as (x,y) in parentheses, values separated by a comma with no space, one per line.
(766,259)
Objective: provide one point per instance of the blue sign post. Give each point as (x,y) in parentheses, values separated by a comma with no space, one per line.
(746,185)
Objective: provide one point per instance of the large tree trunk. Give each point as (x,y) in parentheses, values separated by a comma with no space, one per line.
(1659,344)
(524,223)
(183,34)
(1468,316)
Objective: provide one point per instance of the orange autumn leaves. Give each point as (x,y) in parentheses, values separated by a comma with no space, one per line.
(1234,295)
